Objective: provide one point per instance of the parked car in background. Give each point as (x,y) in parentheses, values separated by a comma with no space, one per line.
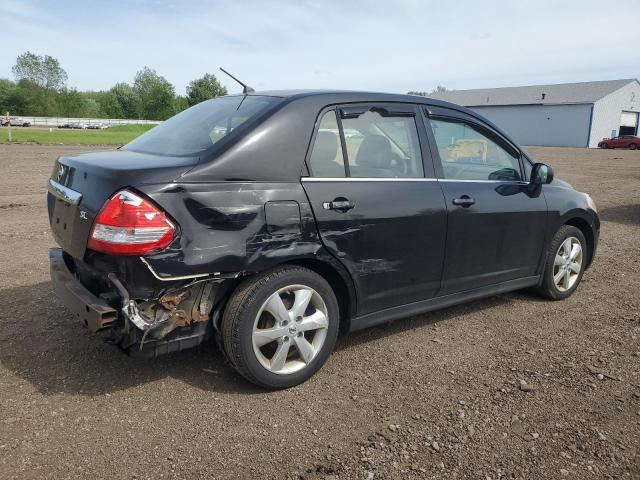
(276,234)
(97,126)
(622,141)
(15,122)
(64,125)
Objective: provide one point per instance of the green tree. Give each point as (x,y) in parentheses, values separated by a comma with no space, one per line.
(39,101)
(71,103)
(128,100)
(12,99)
(180,103)
(92,109)
(44,71)
(204,88)
(156,95)
(438,89)
(108,105)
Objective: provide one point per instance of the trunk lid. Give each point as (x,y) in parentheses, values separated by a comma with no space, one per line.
(80,185)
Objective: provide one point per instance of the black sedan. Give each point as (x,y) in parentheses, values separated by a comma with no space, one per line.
(272,221)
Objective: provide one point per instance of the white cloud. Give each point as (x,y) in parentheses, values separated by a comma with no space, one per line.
(365,45)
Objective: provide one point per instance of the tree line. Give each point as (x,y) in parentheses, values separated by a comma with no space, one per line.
(438,89)
(40,89)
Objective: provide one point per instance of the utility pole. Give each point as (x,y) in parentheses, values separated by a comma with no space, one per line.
(9,125)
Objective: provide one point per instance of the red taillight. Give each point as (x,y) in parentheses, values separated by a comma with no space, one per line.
(129,224)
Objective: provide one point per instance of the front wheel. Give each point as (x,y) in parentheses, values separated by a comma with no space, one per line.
(604,145)
(633,146)
(280,327)
(565,265)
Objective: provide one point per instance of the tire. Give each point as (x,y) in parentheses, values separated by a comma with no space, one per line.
(566,235)
(605,146)
(633,146)
(254,338)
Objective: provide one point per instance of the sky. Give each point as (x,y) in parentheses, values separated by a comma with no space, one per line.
(390,45)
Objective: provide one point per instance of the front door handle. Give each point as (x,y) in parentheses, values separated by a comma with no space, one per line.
(340,204)
(464,201)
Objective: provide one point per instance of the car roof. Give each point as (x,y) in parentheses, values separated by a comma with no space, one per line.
(337,96)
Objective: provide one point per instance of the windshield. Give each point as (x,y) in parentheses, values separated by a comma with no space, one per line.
(201,126)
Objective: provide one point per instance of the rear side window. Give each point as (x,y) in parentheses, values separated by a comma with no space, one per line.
(326,157)
(378,144)
(200,127)
(468,154)
(381,146)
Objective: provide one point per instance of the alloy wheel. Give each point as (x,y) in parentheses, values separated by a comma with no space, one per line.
(567,264)
(290,329)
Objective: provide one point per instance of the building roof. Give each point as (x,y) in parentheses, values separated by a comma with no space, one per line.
(561,93)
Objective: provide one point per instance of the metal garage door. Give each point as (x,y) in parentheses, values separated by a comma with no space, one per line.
(629,119)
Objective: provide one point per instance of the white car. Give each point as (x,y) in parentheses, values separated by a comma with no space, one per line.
(97,126)
(15,122)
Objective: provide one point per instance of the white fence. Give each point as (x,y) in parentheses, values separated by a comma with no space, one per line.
(55,121)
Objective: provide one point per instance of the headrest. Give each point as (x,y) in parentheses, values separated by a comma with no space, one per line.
(375,151)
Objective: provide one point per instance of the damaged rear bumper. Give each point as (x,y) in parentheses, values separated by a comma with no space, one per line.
(92,311)
(179,321)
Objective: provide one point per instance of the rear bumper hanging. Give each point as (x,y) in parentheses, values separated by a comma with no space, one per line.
(94,312)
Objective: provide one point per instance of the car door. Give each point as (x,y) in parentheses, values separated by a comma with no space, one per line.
(496,226)
(376,210)
(618,142)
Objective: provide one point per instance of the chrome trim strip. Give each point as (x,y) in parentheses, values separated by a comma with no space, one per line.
(391,179)
(449,180)
(366,179)
(64,193)
(171,279)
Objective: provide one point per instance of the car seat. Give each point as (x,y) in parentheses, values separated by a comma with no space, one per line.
(374,158)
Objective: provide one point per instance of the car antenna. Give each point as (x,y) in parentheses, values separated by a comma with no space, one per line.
(246,89)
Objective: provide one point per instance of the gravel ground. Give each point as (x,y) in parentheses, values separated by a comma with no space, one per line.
(507,387)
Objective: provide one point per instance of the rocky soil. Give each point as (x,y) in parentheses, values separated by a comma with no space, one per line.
(507,387)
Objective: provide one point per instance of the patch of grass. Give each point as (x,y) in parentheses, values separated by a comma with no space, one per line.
(117,135)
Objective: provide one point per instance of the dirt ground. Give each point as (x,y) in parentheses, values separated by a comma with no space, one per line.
(433,396)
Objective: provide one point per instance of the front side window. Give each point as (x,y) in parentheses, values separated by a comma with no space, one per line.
(326,157)
(382,145)
(198,128)
(468,154)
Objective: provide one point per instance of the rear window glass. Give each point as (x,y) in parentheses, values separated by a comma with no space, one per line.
(201,126)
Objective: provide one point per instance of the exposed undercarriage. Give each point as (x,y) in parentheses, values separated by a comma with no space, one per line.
(153,318)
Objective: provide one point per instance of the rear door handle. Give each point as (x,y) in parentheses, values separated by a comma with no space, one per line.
(464,201)
(342,205)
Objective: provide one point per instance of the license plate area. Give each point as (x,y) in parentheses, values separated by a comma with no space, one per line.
(64,214)
(63,220)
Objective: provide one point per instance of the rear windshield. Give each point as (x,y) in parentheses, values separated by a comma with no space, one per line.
(201,126)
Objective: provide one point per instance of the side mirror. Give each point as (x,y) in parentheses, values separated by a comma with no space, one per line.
(541,174)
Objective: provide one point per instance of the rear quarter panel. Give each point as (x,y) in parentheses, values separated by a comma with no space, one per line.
(234,226)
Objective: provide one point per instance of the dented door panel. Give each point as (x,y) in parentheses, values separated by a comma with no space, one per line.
(392,241)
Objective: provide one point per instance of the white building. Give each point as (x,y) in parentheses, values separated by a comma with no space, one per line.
(562,115)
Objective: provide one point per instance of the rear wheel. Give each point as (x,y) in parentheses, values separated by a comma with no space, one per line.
(280,327)
(565,263)
(633,146)
(604,145)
